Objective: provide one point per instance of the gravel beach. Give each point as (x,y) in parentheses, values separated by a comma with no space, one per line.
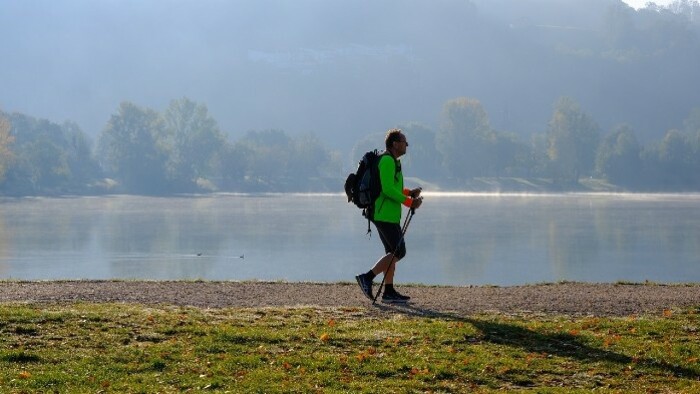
(561,298)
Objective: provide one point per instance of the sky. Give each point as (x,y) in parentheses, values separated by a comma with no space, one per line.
(636,4)
(333,69)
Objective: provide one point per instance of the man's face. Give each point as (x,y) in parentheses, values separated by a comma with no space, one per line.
(401,145)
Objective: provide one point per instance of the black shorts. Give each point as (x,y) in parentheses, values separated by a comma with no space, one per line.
(390,234)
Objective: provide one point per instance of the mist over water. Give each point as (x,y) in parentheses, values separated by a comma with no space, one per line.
(454,239)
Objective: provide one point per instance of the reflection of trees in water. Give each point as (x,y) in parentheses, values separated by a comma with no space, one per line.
(572,241)
(62,225)
(220,227)
(463,248)
(477,235)
(609,234)
(466,240)
(161,237)
(70,225)
(578,237)
(650,225)
(5,243)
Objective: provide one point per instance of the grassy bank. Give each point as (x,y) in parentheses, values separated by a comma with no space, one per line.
(134,348)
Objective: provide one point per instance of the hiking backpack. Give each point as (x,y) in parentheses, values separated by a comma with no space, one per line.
(363,186)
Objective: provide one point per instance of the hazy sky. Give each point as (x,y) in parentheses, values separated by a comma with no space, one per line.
(641,3)
(341,70)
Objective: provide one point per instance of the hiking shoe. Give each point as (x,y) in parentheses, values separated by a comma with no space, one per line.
(365,285)
(394,297)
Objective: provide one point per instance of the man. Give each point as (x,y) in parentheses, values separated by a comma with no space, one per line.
(387,217)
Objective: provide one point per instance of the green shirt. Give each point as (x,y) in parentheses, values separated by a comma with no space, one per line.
(387,208)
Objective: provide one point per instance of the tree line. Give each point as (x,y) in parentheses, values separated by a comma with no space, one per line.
(182,150)
(570,148)
(142,151)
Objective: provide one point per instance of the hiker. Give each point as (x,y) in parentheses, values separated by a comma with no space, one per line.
(387,217)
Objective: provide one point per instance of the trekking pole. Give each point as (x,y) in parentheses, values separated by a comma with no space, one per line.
(396,249)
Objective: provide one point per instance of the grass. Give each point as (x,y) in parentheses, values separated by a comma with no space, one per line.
(128,348)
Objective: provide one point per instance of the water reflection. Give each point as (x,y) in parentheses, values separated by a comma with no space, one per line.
(453,239)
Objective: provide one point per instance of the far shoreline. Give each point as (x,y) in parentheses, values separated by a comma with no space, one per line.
(480,185)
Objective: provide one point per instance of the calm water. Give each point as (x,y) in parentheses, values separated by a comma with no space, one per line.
(454,239)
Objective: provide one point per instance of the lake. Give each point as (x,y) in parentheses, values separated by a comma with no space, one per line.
(454,239)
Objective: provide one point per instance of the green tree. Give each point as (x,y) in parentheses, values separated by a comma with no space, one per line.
(193,140)
(131,152)
(49,158)
(309,158)
(678,161)
(84,169)
(423,160)
(573,139)
(691,124)
(537,162)
(619,26)
(618,158)
(465,138)
(6,140)
(234,165)
(49,164)
(692,129)
(311,165)
(268,157)
(675,149)
(272,160)
(511,157)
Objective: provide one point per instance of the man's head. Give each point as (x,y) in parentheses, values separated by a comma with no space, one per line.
(396,142)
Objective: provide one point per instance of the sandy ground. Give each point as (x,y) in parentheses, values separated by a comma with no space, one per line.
(563,298)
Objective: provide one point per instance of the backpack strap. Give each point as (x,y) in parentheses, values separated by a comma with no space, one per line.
(369,211)
(396,167)
(369,229)
(366,213)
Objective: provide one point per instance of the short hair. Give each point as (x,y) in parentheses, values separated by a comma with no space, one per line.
(392,136)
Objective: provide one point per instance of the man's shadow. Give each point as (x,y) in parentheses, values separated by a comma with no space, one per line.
(559,344)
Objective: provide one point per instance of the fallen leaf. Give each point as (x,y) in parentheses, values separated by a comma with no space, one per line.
(25,375)
(325,337)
